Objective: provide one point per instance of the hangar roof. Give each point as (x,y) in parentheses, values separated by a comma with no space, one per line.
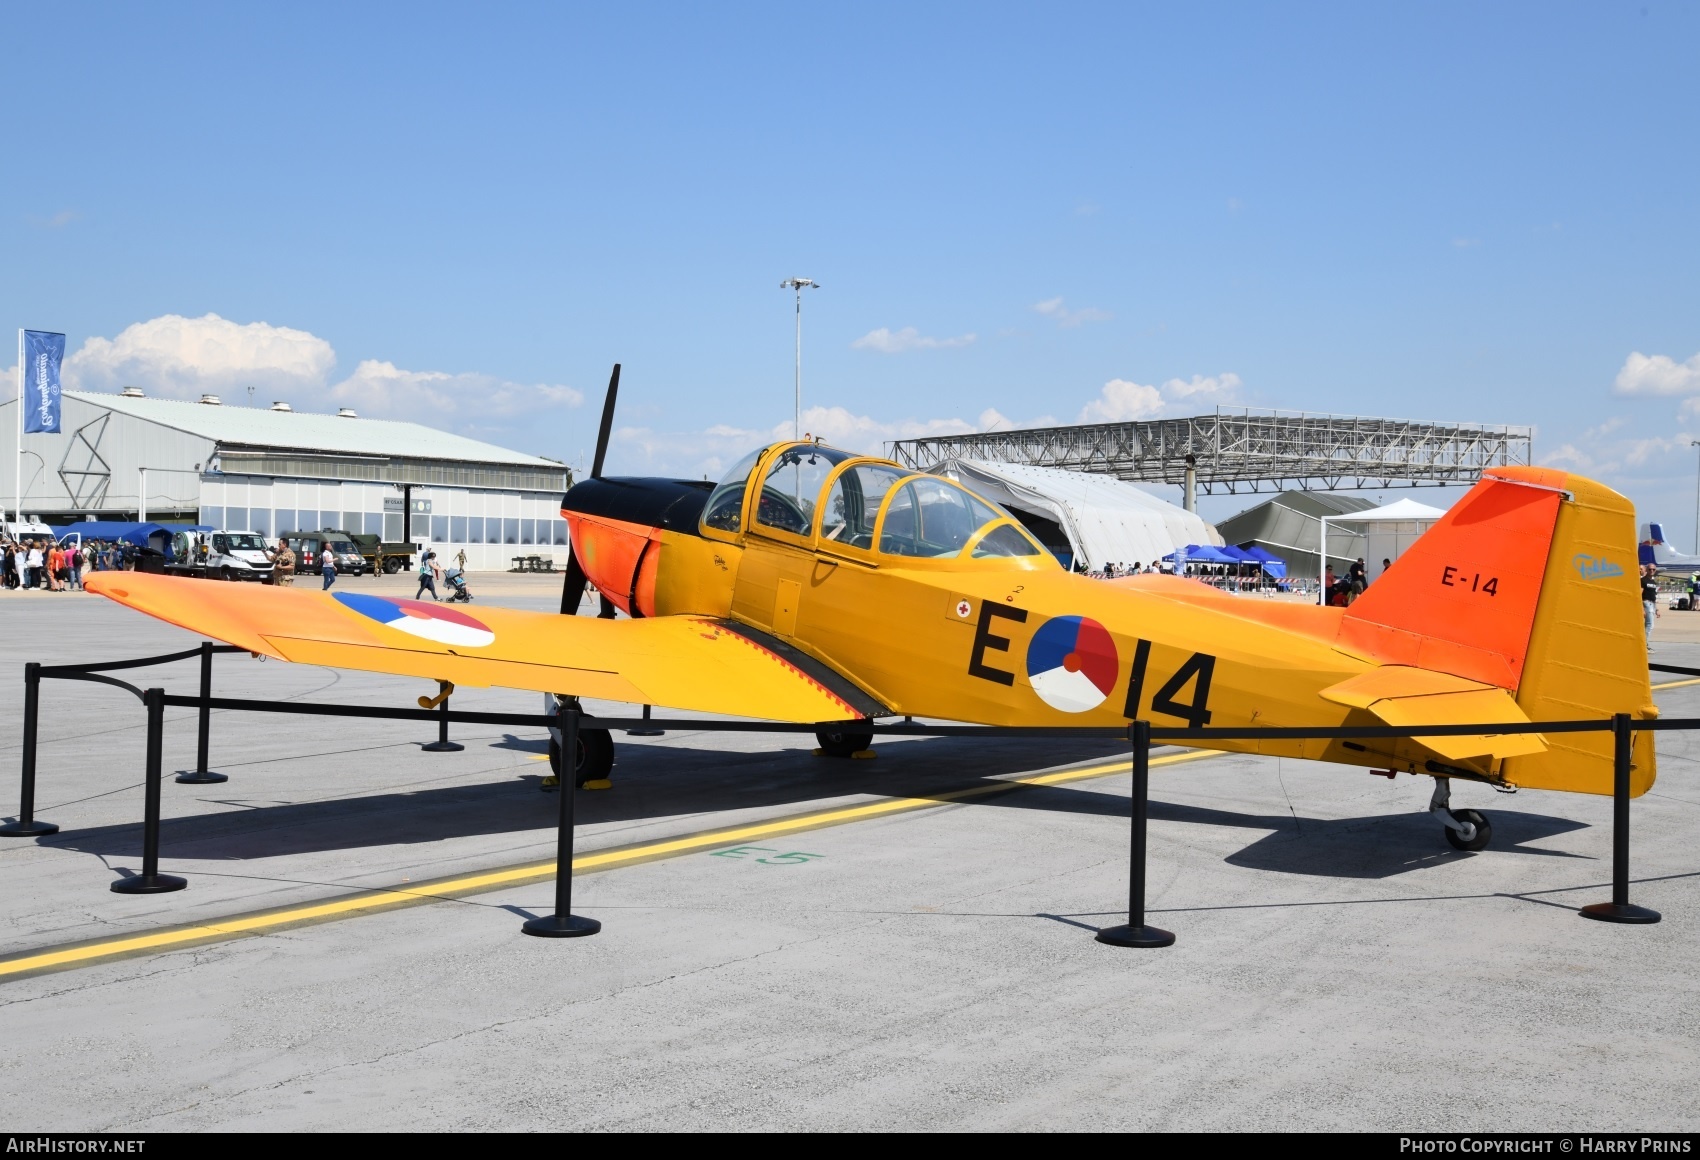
(334,434)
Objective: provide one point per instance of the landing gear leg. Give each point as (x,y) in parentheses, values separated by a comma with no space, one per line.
(1465,829)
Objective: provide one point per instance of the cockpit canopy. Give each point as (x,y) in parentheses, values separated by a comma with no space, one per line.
(837,499)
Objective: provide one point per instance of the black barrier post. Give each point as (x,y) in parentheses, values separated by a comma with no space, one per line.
(200,775)
(1619,908)
(26,826)
(150,880)
(1135,933)
(564,923)
(442,744)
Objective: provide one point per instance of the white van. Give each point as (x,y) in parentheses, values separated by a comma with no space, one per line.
(220,556)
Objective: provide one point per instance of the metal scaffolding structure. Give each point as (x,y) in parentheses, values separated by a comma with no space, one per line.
(1233,451)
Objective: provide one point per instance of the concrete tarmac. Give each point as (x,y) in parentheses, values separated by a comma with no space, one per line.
(1338,965)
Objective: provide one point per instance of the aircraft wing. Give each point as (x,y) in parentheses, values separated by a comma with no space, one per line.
(1404,695)
(684,662)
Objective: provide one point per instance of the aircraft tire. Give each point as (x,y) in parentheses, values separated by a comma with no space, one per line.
(596,761)
(1482,836)
(844,744)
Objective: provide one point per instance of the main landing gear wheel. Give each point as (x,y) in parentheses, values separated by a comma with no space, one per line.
(595,758)
(843,743)
(1471,820)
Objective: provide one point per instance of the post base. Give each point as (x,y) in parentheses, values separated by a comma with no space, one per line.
(1135,936)
(31,829)
(554,926)
(442,747)
(199,777)
(149,884)
(1612,912)
(646,733)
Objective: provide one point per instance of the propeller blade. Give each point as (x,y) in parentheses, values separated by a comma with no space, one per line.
(572,590)
(607,423)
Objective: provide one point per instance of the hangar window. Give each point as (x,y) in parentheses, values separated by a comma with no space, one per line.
(853,504)
(793,484)
(931,517)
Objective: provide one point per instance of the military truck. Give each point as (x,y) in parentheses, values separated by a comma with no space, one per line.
(386,558)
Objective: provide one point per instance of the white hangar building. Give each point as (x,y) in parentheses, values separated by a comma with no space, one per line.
(274,470)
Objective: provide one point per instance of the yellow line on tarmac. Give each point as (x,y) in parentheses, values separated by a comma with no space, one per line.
(1677,684)
(79,954)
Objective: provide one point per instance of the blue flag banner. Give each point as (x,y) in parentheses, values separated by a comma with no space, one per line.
(43,352)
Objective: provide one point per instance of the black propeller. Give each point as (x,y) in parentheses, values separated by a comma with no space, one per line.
(572,589)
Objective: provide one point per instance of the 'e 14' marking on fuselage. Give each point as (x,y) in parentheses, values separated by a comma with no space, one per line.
(1455,578)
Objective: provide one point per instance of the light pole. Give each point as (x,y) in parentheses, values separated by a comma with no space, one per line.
(1695,443)
(798,284)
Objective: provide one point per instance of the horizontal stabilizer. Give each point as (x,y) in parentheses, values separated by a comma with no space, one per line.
(1403,696)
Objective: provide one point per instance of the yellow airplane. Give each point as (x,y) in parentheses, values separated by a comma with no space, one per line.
(814,585)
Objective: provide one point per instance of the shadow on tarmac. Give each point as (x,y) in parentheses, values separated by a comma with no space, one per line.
(654,781)
(650,781)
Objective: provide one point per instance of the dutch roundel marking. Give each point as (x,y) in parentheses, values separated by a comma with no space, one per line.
(417,618)
(1072,663)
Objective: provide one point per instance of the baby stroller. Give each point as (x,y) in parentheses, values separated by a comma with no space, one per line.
(458,591)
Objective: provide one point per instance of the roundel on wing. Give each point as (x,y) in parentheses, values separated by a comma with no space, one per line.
(418,618)
(1072,663)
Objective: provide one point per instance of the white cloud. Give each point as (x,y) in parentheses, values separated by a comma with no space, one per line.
(182,358)
(1124,401)
(1054,309)
(382,388)
(887,341)
(1657,375)
(695,454)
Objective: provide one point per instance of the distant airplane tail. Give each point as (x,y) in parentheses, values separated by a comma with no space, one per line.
(1530,584)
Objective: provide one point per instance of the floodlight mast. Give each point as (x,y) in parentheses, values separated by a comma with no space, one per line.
(797,285)
(1691,443)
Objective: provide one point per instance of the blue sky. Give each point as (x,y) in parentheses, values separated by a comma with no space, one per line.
(463,216)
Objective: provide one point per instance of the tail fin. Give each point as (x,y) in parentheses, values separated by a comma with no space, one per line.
(1528,583)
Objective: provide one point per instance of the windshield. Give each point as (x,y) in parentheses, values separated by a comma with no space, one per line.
(342,548)
(933,517)
(725,507)
(792,485)
(245,543)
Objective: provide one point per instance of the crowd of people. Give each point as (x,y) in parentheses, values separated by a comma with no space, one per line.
(30,565)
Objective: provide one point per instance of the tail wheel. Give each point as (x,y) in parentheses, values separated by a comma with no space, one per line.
(843,743)
(595,756)
(1477,840)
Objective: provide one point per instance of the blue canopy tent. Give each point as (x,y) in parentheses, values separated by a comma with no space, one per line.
(149,535)
(1273,565)
(1200,554)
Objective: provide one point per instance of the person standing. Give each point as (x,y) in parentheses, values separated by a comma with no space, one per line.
(1649,599)
(284,564)
(428,573)
(1359,577)
(327,566)
(32,565)
(75,564)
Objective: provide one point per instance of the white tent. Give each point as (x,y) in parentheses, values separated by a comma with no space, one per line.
(1389,529)
(1103,519)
